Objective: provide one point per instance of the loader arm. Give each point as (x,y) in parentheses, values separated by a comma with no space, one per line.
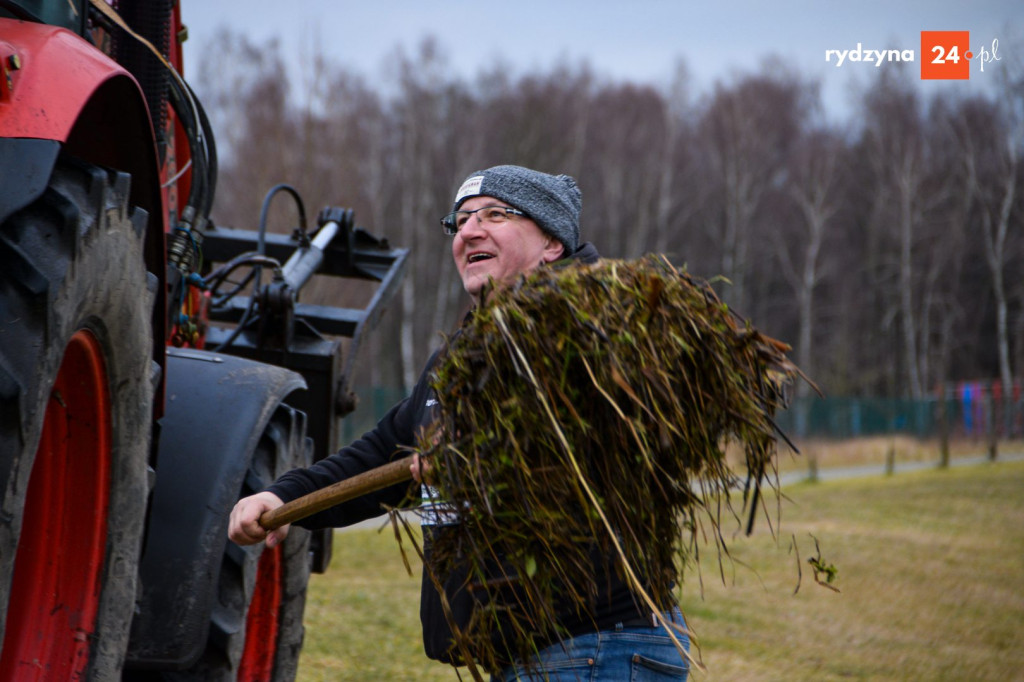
(300,336)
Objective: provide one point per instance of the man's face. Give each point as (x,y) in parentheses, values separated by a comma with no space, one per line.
(500,252)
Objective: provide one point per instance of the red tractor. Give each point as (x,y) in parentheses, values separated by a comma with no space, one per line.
(154,367)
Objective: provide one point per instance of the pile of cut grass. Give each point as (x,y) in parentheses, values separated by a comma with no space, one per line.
(585,412)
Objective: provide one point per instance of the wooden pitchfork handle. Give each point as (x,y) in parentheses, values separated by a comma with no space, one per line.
(336,493)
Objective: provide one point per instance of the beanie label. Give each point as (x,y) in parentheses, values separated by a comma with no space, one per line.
(469,188)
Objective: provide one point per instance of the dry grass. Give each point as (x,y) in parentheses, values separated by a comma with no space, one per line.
(931,568)
(874,450)
(362,616)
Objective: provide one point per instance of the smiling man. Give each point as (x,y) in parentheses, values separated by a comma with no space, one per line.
(505,221)
(508,220)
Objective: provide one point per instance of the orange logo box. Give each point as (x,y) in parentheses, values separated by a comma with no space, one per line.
(945,55)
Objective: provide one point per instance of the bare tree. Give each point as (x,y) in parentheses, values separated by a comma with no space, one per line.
(748,130)
(624,157)
(815,188)
(895,143)
(999,199)
(678,198)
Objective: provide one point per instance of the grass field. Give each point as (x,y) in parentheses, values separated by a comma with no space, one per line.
(874,450)
(930,568)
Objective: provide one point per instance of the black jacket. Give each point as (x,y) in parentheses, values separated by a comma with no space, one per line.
(383,444)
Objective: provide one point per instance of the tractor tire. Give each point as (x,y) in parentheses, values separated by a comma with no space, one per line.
(274,580)
(256,630)
(76,396)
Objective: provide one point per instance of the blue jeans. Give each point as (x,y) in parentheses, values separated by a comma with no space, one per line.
(642,654)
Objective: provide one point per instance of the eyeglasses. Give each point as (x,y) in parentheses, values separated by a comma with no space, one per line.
(489,215)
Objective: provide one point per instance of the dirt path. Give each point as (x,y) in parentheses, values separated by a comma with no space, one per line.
(838,473)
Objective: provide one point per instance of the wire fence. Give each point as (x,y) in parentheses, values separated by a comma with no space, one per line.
(980,409)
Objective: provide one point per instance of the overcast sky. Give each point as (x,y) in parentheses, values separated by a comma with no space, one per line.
(639,41)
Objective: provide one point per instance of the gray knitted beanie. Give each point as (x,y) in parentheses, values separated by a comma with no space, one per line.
(551,201)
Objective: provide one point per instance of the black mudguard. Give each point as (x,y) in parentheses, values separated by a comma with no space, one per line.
(217,408)
(25,169)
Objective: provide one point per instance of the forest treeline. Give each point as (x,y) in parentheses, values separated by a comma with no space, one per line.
(887,251)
